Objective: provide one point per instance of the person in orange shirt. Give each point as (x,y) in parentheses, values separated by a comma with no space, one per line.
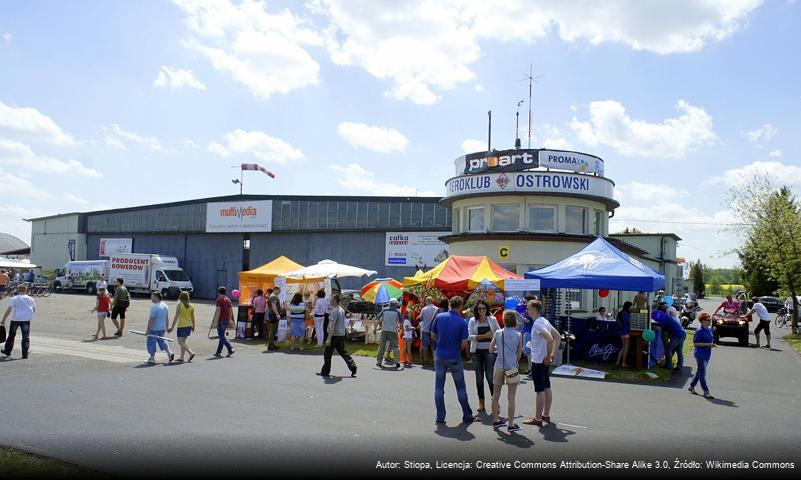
(3,281)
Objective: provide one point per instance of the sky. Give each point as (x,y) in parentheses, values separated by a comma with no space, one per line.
(107,104)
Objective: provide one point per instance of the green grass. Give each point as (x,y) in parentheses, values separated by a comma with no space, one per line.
(16,464)
(794,340)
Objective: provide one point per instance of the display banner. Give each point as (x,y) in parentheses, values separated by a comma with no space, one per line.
(531,182)
(523,159)
(133,269)
(113,246)
(247,216)
(414,249)
(526,285)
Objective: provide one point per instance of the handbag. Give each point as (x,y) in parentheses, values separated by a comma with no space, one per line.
(2,333)
(511,376)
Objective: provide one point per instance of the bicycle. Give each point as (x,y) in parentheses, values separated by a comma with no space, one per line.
(783,318)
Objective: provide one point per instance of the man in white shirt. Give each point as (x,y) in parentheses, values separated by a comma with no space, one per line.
(425,319)
(23,307)
(102,283)
(764,320)
(544,344)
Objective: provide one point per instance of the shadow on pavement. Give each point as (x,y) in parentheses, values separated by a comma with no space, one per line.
(723,403)
(552,433)
(148,365)
(457,433)
(514,439)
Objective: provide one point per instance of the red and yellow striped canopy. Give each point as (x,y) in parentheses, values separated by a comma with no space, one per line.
(462,273)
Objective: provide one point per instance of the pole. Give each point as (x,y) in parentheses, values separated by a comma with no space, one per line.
(530,79)
(241,178)
(489,132)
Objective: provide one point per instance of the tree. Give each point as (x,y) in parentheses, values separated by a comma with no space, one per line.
(697,273)
(714,285)
(756,275)
(770,224)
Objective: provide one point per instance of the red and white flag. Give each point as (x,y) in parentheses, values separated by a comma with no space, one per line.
(256,166)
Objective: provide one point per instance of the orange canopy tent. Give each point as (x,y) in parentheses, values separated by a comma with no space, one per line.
(263,277)
(462,273)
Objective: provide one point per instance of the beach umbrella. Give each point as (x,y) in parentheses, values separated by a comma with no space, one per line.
(327,269)
(382,290)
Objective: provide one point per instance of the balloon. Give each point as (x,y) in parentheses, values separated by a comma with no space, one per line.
(668,299)
(648,335)
(235,293)
(603,293)
(511,303)
(521,309)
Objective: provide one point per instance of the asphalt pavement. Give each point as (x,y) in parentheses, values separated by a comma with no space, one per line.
(96,403)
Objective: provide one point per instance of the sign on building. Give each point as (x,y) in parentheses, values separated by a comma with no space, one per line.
(415,249)
(113,246)
(523,159)
(235,217)
(531,182)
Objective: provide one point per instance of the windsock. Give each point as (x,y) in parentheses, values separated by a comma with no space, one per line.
(256,166)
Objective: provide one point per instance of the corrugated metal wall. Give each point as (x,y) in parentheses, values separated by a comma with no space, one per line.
(361,249)
(307,229)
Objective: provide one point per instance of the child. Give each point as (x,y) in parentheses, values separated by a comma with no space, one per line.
(185,318)
(703,341)
(408,337)
(507,344)
(102,307)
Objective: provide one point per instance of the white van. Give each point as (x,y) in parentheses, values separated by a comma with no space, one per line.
(147,272)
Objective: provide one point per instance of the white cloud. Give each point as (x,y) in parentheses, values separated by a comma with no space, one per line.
(549,136)
(14,186)
(471,145)
(355,178)
(75,199)
(609,124)
(30,124)
(777,172)
(176,78)
(20,155)
(762,134)
(478,87)
(264,51)
(258,144)
(113,142)
(776,153)
(375,139)
(115,139)
(424,47)
(7,36)
(190,145)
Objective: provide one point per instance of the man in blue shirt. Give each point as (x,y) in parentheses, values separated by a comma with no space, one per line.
(449,331)
(673,328)
(156,327)
(704,343)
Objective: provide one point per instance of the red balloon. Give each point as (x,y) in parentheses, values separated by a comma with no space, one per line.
(603,293)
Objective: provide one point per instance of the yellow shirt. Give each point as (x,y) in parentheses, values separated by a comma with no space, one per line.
(185,315)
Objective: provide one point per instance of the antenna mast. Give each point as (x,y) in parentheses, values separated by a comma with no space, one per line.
(530,80)
(517,125)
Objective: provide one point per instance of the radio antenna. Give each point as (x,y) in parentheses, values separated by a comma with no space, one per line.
(489,132)
(531,79)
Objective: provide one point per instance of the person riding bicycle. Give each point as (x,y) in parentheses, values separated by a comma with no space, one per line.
(729,306)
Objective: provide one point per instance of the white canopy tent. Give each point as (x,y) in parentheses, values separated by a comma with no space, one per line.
(18,264)
(327,269)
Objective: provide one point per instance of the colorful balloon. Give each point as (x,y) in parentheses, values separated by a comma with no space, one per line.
(603,293)
(235,293)
(648,335)
(668,299)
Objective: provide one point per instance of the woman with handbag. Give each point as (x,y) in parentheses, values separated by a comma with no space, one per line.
(506,373)
(480,330)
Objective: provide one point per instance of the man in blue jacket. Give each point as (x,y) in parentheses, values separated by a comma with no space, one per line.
(677,335)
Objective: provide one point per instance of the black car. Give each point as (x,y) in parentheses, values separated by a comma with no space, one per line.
(772,304)
(354,303)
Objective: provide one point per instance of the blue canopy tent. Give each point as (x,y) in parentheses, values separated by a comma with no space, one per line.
(599,266)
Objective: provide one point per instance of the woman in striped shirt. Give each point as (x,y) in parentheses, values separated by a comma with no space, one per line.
(297,315)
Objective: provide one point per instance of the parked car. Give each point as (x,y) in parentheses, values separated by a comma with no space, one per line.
(773,304)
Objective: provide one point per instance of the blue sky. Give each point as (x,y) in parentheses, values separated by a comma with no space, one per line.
(112,104)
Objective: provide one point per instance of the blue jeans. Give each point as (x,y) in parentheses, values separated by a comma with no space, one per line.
(151,342)
(484,366)
(676,344)
(222,340)
(12,334)
(442,366)
(700,374)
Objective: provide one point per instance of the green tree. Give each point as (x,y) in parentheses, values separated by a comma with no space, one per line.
(756,276)
(714,285)
(770,224)
(697,274)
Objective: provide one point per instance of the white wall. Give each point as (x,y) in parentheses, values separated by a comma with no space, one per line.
(49,240)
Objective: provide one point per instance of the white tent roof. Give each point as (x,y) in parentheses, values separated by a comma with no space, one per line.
(8,263)
(328,269)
